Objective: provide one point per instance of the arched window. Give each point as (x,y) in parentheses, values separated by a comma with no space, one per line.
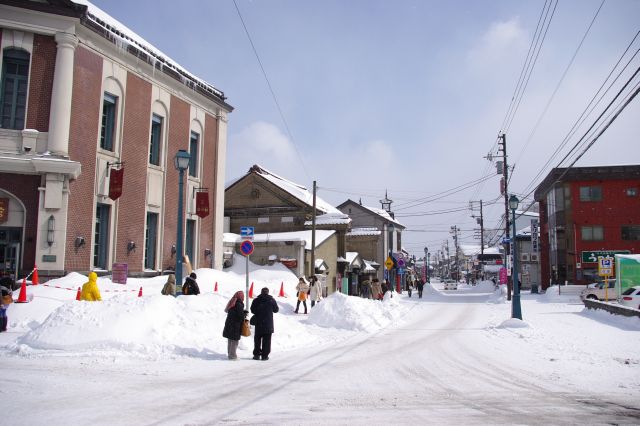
(13,95)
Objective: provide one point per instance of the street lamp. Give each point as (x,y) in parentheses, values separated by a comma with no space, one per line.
(181,162)
(426,264)
(516,311)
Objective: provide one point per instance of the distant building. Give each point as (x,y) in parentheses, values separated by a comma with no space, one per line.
(91,119)
(586,212)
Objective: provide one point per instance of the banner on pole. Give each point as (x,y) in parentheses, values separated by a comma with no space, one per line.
(116,178)
(202,203)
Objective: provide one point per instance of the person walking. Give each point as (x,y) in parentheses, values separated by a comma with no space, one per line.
(409,285)
(365,288)
(303,289)
(420,288)
(6,287)
(376,289)
(191,285)
(315,290)
(263,307)
(233,324)
(169,288)
(90,291)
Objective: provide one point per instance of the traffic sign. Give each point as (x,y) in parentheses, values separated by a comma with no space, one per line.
(246,247)
(605,266)
(246,232)
(388,263)
(592,256)
(401,263)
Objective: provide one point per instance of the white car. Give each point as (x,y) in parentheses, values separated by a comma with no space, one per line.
(450,285)
(631,297)
(597,291)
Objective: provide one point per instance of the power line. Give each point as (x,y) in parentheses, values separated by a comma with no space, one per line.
(273,94)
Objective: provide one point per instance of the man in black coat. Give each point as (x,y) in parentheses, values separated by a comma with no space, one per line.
(420,288)
(263,307)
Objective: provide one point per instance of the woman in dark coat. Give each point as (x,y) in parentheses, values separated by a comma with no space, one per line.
(233,324)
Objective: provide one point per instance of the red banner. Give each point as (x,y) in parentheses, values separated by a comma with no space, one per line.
(4,210)
(115,183)
(202,204)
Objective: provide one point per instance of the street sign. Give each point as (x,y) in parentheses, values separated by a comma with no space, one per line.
(506,240)
(401,263)
(592,256)
(605,266)
(246,247)
(246,232)
(388,263)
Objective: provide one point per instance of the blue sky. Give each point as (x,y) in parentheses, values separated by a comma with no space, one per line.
(403,96)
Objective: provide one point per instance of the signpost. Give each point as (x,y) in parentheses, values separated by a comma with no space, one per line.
(605,269)
(246,248)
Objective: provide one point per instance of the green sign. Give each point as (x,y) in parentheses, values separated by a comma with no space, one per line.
(592,256)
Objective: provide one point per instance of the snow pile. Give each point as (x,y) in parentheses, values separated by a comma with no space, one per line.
(354,313)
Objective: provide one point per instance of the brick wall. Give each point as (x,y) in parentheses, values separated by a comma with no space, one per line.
(43,62)
(135,154)
(25,188)
(178,139)
(83,136)
(210,158)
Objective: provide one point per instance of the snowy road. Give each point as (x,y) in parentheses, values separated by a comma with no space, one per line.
(440,364)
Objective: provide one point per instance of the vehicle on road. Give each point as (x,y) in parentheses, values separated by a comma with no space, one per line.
(599,291)
(450,285)
(631,297)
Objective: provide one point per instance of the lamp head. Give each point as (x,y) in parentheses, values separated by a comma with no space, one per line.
(181,160)
(513,202)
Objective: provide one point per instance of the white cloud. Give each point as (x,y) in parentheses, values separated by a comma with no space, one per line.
(499,42)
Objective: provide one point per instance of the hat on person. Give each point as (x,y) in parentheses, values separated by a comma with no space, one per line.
(265,290)
(193,275)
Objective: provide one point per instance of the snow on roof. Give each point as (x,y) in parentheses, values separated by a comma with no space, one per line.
(299,191)
(123,37)
(364,231)
(330,218)
(305,236)
(474,249)
(368,267)
(382,212)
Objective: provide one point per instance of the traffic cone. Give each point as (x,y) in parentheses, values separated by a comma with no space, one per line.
(22,298)
(34,278)
(215,288)
(281,294)
(140,292)
(79,294)
(251,291)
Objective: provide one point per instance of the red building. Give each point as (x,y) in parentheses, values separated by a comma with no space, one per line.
(91,118)
(585,213)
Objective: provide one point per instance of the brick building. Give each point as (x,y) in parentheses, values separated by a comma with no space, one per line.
(83,99)
(586,212)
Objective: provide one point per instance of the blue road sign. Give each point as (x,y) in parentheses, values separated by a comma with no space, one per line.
(246,247)
(246,232)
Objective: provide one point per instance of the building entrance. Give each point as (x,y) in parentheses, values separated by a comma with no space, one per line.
(10,251)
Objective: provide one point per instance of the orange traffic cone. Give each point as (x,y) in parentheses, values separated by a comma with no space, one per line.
(22,298)
(251,291)
(79,294)
(281,294)
(215,288)
(34,277)
(140,292)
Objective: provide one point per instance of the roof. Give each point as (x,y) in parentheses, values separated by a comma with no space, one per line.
(364,231)
(305,236)
(330,219)
(379,212)
(113,30)
(298,191)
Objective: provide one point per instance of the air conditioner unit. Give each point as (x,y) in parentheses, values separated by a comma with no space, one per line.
(535,257)
(524,257)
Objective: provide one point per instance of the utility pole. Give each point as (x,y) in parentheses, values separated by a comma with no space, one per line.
(454,231)
(313,233)
(480,221)
(502,146)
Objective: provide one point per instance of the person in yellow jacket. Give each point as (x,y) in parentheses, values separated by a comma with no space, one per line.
(90,290)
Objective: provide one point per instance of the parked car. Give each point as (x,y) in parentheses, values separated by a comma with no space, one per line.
(450,284)
(631,297)
(598,291)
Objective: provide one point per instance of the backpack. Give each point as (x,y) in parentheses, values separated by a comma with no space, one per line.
(186,288)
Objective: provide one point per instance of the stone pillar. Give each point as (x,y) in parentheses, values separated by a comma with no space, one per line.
(218,205)
(60,115)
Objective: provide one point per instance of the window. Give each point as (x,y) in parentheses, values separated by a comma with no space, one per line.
(193,151)
(156,138)
(150,238)
(190,239)
(592,233)
(590,193)
(287,219)
(108,121)
(101,236)
(631,232)
(631,192)
(15,76)
(263,220)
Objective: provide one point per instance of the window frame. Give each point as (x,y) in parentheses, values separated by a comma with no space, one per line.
(584,229)
(150,240)
(155,139)
(108,121)
(101,236)
(194,147)
(591,193)
(631,231)
(21,59)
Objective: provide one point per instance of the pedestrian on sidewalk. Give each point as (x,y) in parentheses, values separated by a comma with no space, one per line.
(191,285)
(420,288)
(90,291)
(303,290)
(233,324)
(6,288)
(315,290)
(263,307)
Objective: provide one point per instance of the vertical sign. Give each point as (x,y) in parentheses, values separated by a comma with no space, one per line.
(534,235)
(4,210)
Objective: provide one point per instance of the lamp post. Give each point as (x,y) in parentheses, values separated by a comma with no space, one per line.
(516,311)
(181,162)
(426,264)
(392,271)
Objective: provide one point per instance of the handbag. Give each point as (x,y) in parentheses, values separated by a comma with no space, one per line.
(246,328)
